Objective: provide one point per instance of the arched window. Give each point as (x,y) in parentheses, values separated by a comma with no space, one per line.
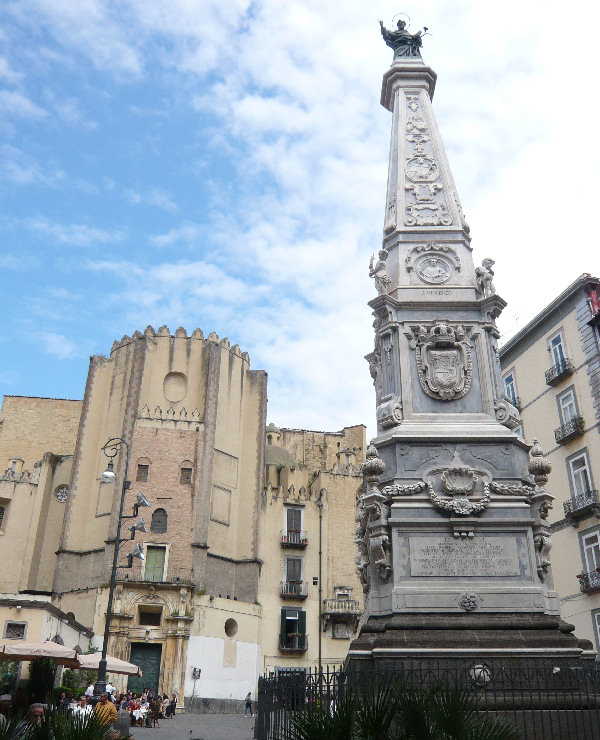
(159,521)
(143,469)
(185,472)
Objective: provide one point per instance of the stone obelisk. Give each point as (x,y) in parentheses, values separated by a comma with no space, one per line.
(452,533)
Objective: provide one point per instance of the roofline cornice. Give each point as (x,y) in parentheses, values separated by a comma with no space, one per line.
(581,282)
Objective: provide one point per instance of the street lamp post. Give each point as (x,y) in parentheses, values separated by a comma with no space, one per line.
(111,450)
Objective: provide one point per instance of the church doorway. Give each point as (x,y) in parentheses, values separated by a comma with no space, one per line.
(148,658)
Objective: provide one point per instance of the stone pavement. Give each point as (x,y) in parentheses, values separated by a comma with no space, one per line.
(199,727)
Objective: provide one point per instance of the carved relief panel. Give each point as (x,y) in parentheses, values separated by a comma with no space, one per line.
(426,203)
(432,263)
(444,360)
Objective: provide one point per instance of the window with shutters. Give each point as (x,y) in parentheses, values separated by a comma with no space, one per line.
(292,636)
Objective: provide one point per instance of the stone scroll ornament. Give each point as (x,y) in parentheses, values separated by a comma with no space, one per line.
(444,361)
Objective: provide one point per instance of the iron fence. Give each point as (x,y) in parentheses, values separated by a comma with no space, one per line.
(545,699)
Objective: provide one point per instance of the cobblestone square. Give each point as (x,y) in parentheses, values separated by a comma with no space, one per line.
(199,727)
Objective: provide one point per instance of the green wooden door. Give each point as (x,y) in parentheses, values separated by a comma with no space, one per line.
(148,658)
(155,563)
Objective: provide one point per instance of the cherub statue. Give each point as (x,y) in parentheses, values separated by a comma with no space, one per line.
(379,273)
(403,43)
(485,276)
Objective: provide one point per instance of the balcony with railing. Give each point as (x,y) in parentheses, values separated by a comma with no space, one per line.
(293,538)
(589,582)
(573,428)
(559,370)
(155,575)
(582,506)
(293,643)
(294,589)
(341,610)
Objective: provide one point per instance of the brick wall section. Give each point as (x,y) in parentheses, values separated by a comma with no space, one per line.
(166,449)
(32,426)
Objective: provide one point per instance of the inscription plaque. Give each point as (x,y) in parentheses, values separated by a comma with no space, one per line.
(447,556)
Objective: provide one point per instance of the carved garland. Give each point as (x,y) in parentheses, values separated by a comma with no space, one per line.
(460,504)
(408,490)
(512,489)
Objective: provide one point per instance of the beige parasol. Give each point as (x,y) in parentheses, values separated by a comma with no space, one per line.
(31,650)
(113,665)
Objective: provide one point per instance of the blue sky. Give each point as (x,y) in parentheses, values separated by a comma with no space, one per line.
(223,165)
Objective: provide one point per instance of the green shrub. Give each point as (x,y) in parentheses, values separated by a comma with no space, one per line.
(398,712)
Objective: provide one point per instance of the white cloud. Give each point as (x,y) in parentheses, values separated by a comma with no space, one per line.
(73,234)
(155,197)
(186,233)
(59,346)
(13,103)
(8,74)
(19,168)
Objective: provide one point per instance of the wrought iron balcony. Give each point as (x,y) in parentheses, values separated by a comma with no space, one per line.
(294,589)
(558,371)
(582,506)
(293,643)
(589,582)
(293,538)
(153,575)
(573,428)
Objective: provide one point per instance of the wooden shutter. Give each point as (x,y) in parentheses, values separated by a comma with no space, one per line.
(282,628)
(302,628)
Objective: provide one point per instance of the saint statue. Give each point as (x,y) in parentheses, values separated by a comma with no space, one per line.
(484,276)
(379,273)
(403,43)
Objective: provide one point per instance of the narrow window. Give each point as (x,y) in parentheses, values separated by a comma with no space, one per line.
(591,548)
(568,406)
(142,472)
(557,352)
(1,515)
(293,520)
(580,475)
(510,388)
(185,475)
(159,521)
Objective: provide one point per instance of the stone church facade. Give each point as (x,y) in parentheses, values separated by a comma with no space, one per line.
(249,553)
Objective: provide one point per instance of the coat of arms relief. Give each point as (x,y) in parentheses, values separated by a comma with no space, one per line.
(444,360)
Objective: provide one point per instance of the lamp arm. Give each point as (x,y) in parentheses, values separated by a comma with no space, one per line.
(113,445)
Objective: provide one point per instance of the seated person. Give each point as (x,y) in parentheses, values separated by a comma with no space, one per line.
(170,711)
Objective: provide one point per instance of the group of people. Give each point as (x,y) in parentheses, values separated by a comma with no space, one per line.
(147,708)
